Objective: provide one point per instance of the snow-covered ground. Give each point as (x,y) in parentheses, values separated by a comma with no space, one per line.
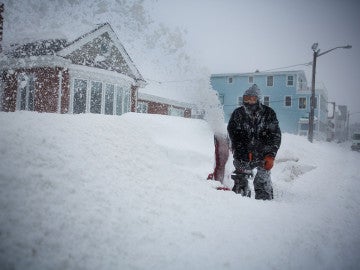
(108,192)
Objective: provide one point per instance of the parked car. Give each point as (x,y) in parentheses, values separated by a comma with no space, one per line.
(355,144)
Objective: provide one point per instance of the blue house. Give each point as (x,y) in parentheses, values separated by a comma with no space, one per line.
(287,92)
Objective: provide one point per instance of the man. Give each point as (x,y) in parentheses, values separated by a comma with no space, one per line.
(255,139)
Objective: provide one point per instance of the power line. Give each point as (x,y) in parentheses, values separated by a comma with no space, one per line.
(198,79)
(304,64)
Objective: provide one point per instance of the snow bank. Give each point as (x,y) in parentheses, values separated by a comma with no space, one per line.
(108,192)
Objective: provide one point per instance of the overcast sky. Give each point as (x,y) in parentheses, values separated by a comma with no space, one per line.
(245,35)
(225,36)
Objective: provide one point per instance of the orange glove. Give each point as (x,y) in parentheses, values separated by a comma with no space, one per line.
(269,162)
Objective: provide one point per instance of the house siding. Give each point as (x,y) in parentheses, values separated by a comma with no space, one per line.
(163,108)
(46,89)
(288,116)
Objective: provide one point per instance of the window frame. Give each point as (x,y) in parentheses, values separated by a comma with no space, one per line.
(142,107)
(252,79)
(267,103)
(105,98)
(287,80)
(291,103)
(302,98)
(121,97)
(267,80)
(174,111)
(29,82)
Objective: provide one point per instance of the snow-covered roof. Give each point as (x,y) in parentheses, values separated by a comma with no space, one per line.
(101,29)
(148,97)
(37,48)
(258,73)
(61,48)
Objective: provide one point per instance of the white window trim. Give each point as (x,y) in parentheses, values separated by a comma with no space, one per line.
(117,87)
(306,103)
(264,99)
(144,106)
(88,97)
(287,81)
(172,108)
(273,81)
(292,101)
(114,92)
(18,94)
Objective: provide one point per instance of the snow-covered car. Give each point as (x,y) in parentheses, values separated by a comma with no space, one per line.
(355,144)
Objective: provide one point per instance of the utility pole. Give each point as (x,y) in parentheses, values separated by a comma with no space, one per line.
(312,98)
(316,54)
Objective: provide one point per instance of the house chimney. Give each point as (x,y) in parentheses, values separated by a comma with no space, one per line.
(1,24)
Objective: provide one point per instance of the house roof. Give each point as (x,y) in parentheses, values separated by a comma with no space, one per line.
(96,33)
(37,48)
(68,50)
(258,73)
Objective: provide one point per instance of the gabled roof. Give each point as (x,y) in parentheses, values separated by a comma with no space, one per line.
(37,48)
(99,32)
(98,48)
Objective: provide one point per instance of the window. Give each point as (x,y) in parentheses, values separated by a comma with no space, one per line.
(176,111)
(221,99)
(267,100)
(301,85)
(251,79)
(288,101)
(302,103)
(95,97)
(100,97)
(290,80)
(109,99)
(142,107)
(127,101)
(122,100)
(270,81)
(79,104)
(26,92)
(230,79)
(240,101)
(119,100)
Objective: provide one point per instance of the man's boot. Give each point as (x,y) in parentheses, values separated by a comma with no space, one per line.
(241,185)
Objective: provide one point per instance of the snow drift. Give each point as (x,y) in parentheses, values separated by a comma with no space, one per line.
(108,192)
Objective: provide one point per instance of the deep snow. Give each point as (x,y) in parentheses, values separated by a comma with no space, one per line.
(108,192)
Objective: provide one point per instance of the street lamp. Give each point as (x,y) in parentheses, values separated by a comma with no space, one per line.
(312,99)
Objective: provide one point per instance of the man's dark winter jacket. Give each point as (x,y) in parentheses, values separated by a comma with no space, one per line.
(257,133)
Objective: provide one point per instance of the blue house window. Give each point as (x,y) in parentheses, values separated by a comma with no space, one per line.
(290,80)
(230,79)
(240,101)
(251,79)
(267,100)
(270,81)
(302,103)
(288,101)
